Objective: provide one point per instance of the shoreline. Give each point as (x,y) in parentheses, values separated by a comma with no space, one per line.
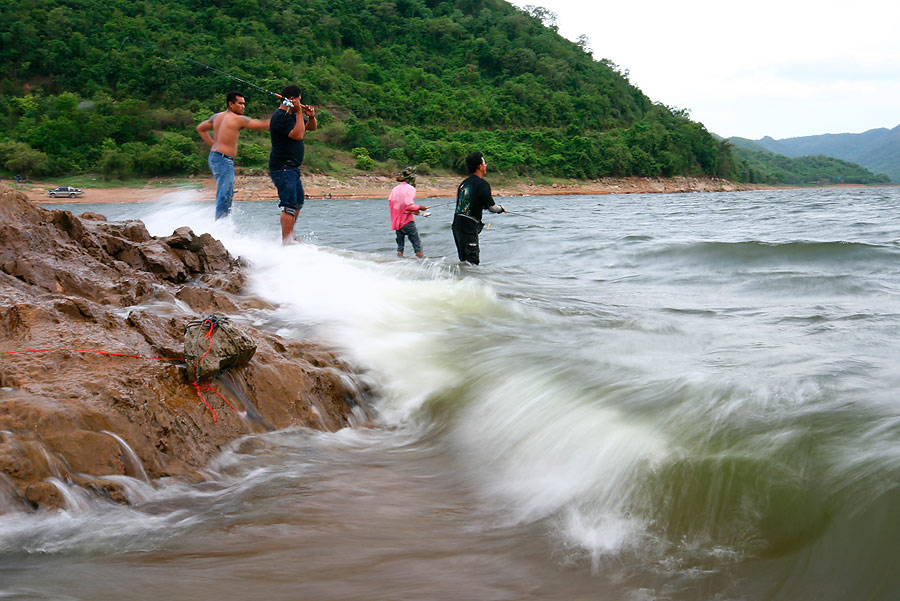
(260,188)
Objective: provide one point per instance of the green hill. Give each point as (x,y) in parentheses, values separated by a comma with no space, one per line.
(766,167)
(417,81)
(115,86)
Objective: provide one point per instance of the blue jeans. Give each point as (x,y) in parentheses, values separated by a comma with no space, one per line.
(222,169)
(290,189)
(409,230)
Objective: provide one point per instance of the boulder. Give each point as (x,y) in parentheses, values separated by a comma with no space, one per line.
(213,345)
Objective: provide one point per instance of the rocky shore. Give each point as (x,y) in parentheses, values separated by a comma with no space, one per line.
(259,187)
(374,186)
(73,418)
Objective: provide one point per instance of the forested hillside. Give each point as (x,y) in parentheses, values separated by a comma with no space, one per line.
(418,81)
(876,149)
(770,168)
(106,85)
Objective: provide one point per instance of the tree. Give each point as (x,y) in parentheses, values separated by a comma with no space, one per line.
(363,161)
(22,159)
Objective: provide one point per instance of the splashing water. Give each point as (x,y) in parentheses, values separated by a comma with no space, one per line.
(642,397)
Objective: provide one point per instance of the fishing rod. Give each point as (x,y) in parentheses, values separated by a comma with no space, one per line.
(425,209)
(443,204)
(519,214)
(205,66)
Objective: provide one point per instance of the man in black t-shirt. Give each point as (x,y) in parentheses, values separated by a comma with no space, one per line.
(473,195)
(287,133)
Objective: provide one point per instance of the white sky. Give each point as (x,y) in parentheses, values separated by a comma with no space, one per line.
(780,68)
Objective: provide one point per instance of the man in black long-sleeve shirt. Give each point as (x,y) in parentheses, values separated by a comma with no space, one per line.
(473,195)
(287,133)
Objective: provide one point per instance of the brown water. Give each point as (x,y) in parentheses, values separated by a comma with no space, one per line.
(301,516)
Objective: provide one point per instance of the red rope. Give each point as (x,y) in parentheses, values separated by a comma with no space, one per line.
(195,384)
(80,350)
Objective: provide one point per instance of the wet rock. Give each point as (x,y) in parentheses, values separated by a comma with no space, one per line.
(103,487)
(158,332)
(213,255)
(87,452)
(44,495)
(213,345)
(162,261)
(183,238)
(111,288)
(136,231)
(203,299)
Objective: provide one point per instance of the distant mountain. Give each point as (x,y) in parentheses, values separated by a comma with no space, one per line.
(878,150)
(758,165)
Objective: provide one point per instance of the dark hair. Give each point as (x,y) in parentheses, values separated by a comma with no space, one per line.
(232,97)
(473,161)
(290,91)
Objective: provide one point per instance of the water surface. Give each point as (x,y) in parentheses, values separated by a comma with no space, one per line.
(666,397)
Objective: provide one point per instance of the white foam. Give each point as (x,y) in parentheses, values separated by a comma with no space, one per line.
(527,440)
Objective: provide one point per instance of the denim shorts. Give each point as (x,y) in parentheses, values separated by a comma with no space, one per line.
(290,189)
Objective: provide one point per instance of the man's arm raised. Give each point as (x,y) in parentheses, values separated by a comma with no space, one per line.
(310,112)
(299,130)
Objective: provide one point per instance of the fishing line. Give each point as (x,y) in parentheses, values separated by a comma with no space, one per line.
(371,108)
(190,60)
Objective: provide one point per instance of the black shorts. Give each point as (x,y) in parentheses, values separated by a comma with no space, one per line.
(465,234)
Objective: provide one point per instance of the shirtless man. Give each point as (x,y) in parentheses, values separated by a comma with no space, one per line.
(226,127)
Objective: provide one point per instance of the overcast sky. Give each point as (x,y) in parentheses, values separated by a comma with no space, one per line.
(781,68)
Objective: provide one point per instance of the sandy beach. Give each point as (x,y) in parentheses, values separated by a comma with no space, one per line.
(259,187)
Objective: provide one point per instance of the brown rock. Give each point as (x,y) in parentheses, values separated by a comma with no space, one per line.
(214,344)
(45,495)
(183,238)
(111,288)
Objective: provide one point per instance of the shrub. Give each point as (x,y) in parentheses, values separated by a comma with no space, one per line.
(399,155)
(20,158)
(251,154)
(114,164)
(363,161)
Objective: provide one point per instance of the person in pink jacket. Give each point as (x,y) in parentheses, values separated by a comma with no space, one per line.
(403,208)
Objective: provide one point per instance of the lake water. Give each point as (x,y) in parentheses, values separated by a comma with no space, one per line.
(634,397)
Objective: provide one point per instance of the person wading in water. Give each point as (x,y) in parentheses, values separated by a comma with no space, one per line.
(287,132)
(402,210)
(473,195)
(226,126)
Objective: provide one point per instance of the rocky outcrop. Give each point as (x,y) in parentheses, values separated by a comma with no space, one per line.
(78,417)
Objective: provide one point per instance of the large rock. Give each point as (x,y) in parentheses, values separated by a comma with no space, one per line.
(78,417)
(214,344)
